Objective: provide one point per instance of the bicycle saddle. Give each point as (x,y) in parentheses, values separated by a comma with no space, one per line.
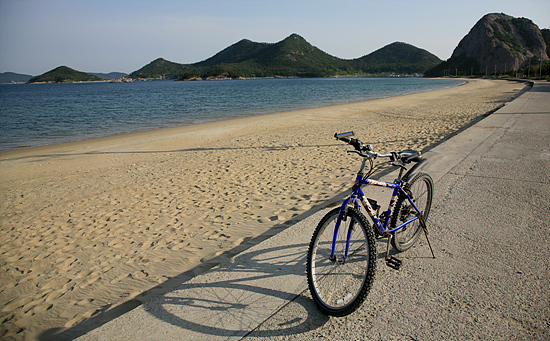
(409,155)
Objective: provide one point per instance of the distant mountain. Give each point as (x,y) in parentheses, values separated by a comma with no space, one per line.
(159,68)
(64,74)
(236,53)
(110,75)
(11,77)
(497,42)
(292,57)
(400,57)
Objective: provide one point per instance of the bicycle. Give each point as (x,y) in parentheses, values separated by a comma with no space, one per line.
(341,262)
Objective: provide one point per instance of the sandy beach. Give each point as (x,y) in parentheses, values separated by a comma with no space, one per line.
(87,226)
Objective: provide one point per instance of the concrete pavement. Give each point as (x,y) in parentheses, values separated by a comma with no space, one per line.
(490,279)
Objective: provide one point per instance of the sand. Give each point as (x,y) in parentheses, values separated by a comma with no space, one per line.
(87,226)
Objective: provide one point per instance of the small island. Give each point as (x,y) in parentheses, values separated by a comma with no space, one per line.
(64,74)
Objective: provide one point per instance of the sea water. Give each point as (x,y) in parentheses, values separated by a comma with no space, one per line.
(43,114)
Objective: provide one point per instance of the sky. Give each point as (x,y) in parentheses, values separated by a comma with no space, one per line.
(37,36)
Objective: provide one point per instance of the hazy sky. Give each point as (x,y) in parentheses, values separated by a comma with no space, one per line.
(124,35)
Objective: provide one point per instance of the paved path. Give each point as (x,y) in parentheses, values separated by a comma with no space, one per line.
(490,280)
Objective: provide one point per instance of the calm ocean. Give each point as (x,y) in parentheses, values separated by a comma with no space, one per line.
(42,114)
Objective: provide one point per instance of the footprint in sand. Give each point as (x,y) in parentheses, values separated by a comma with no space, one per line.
(153,260)
(120,278)
(65,249)
(209,233)
(80,317)
(133,295)
(140,274)
(84,302)
(31,277)
(42,307)
(177,247)
(219,236)
(162,279)
(92,280)
(66,265)
(17,303)
(240,241)
(56,283)
(53,295)
(115,242)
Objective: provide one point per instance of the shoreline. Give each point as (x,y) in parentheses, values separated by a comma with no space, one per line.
(139,129)
(90,225)
(168,132)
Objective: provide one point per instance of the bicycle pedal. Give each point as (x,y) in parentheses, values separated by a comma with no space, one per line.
(393,262)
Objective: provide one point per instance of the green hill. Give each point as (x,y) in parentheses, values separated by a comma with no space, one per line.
(12,77)
(292,57)
(397,57)
(110,75)
(64,74)
(236,53)
(159,68)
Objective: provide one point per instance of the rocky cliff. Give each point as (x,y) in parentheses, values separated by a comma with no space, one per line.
(497,43)
(503,42)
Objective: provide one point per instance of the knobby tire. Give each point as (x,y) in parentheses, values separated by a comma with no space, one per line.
(340,287)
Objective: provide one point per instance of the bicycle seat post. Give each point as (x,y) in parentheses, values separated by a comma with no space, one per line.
(401,170)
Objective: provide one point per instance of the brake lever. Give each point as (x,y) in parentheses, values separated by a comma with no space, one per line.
(397,163)
(360,153)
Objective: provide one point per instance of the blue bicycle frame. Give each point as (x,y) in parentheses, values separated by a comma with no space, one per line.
(358,196)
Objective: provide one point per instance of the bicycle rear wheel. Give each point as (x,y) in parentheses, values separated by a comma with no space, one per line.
(420,189)
(340,286)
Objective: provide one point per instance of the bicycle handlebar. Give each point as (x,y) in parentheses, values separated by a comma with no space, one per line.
(405,156)
(342,135)
(361,148)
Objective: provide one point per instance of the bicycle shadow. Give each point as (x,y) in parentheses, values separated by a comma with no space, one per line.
(240,295)
(232,299)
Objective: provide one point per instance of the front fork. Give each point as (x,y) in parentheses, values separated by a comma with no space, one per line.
(342,218)
(380,228)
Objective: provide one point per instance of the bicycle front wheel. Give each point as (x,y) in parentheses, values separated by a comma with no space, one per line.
(420,189)
(340,285)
